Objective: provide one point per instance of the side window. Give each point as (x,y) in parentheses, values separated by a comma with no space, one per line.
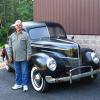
(56,31)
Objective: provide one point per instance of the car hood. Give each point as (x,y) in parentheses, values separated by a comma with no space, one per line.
(55,44)
(66,48)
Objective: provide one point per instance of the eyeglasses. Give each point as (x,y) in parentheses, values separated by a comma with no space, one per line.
(19,25)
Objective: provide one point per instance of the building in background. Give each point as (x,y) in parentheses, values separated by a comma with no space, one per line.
(80,18)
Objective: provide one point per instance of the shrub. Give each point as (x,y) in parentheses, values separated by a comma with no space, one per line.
(3,34)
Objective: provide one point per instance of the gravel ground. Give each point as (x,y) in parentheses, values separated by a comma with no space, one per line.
(2,63)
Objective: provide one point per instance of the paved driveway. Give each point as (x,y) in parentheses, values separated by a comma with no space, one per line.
(77,91)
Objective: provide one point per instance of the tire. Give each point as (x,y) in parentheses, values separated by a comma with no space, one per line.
(38,82)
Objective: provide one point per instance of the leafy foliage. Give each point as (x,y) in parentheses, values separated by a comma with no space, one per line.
(11,10)
(25,9)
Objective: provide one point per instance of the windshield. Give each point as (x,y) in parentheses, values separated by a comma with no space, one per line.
(44,32)
(39,33)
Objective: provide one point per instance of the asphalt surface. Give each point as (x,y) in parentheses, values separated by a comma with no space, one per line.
(80,90)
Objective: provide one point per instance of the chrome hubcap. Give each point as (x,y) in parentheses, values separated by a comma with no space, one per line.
(37,80)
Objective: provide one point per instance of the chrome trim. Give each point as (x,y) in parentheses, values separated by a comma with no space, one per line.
(80,68)
(78,55)
(47,30)
(67,41)
(70,78)
(50,79)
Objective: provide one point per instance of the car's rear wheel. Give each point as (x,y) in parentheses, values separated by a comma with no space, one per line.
(38,82)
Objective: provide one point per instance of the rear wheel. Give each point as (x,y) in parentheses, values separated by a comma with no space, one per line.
(38,82)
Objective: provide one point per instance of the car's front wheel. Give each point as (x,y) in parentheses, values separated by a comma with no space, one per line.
(38,82)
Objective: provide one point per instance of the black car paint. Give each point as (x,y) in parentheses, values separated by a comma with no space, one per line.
(57,48)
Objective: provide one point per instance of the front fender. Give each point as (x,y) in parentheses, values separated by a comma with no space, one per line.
(40,59)
(86,58)
(83,53)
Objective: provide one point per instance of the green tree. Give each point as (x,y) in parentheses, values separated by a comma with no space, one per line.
(11,10)
(24,10)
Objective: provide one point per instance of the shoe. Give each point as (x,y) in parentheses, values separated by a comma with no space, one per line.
(25,88)
(16,86)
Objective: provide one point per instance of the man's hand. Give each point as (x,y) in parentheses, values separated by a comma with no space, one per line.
(10,59)
(28,58)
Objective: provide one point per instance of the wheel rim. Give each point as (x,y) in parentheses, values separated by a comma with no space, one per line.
(36,79)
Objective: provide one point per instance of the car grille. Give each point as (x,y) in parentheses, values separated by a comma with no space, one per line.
(74,62)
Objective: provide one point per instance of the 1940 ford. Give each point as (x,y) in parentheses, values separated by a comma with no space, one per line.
(55,58)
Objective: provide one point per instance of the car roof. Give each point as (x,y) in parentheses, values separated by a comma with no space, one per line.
(37,24)
(31,24)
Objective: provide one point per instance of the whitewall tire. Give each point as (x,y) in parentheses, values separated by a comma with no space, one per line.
(38,82)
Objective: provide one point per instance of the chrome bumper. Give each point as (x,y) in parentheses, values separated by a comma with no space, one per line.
(91,73)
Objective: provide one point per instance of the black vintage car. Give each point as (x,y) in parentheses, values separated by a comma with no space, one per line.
(55,58)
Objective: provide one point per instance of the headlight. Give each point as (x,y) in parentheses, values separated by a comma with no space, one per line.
(94,57)
(51,64)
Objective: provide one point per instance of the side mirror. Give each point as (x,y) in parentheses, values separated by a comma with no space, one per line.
(72,37)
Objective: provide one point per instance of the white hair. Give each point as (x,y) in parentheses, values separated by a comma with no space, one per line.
(18,22)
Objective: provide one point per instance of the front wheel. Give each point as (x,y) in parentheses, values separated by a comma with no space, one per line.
(38,82)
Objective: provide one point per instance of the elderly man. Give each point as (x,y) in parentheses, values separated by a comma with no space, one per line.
(20,48)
